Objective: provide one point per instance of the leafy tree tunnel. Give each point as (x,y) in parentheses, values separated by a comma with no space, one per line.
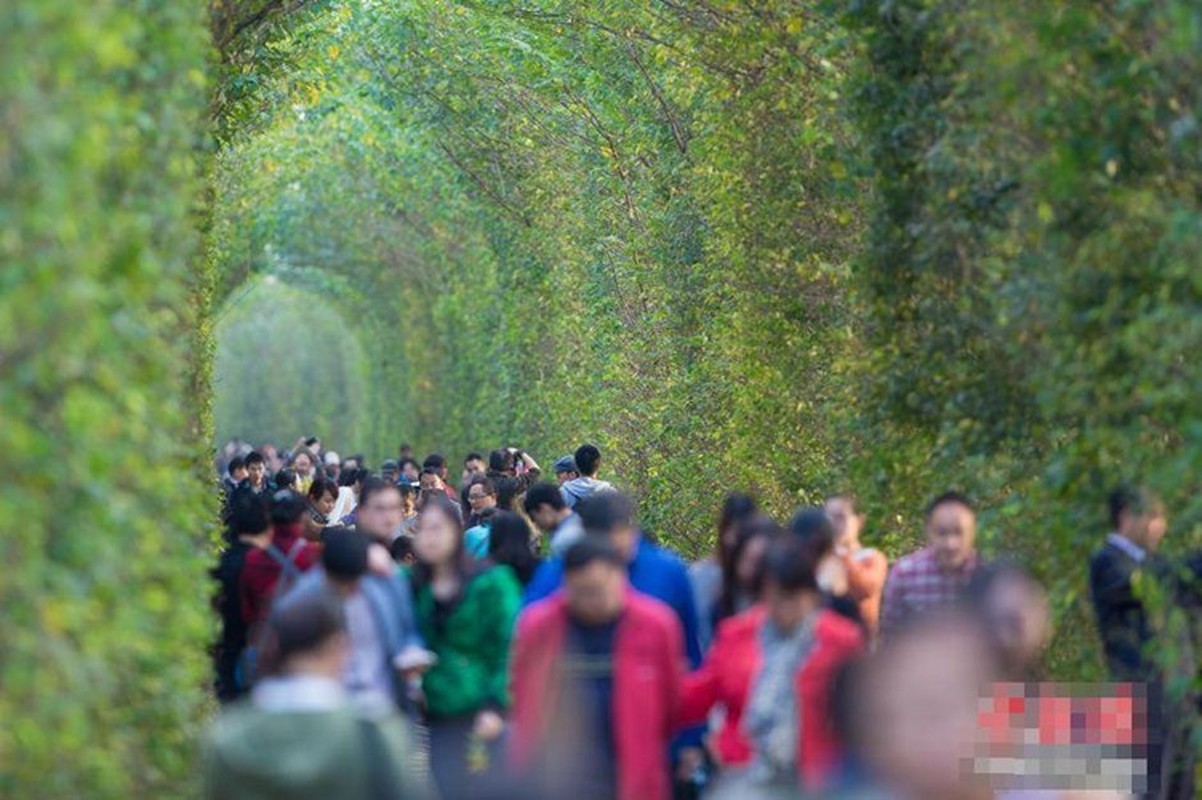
(774,246)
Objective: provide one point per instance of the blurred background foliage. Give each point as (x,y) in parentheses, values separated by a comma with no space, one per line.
(885,245)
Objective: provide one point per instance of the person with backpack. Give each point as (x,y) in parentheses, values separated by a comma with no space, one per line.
(299,737)
(273,569)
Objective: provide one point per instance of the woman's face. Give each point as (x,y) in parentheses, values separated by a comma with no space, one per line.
(325,504)
(437,539)
(302,464)
(749,561)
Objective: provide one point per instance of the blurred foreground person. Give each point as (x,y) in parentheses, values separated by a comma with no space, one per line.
(596,675)
(709,576)
(465,612)
(544,505)
(1013,609)
(386,649)
(278,565)
(298,737)
(772,671)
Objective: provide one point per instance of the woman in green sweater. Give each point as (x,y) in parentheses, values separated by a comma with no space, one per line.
(466,613)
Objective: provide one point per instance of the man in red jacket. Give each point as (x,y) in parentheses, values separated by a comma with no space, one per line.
(287,556)
(597,671)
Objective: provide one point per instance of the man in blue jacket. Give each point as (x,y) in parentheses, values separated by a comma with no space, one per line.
(654,571)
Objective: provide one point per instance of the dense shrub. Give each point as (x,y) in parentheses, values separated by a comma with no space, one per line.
(102,589)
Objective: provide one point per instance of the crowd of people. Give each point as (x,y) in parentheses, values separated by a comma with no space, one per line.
(406,632)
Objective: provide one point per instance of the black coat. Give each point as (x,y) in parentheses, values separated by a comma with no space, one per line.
(1122,620)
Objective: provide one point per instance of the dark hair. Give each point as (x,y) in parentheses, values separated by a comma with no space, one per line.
(1130,497)
(953,498)
(247,513)
(473,456)
(500,461)
(373,486)
(349,477)
(422,573)
(813,528)
(508,489)
(588,458)
(401,548)
(431,471)
(237,462)
(285,477)
(287,507)
(490,487)
(543,494)
(749,529)
(344,553)
(254,457)
(400,465)
(787,564)
(588,551)
(736,508)
(436,460)
(322,486)
(601,513)
(300,624)
(509,544)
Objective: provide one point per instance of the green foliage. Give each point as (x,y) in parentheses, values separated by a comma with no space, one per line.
(317,379)
(103,590)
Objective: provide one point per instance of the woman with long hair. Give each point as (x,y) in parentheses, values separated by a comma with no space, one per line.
(709,574)
(465,612)
(509,545)
(740,579)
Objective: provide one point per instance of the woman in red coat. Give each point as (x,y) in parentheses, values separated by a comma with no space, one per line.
(771,668)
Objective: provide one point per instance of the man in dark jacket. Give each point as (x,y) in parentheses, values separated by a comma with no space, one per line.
(249,529)
(1137,517)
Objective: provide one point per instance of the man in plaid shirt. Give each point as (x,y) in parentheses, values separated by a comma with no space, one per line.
(933,577)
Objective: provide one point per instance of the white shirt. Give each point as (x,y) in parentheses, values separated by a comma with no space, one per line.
(1127,546)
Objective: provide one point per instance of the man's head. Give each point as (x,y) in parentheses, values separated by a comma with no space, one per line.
(237,469)
(502,462)
(390,471)
(1138,514)
(344,557)
(565,469)
(481,494)
(916,710)
(248,517)
(333,465)
(545,506)
(287,479)
(610,516)
(594,581)
(437,462)
(256,469)
(789,583)
(951,529)
(588,460)
(474,464)
(404,451)
(431,481)
(306,635)
(847,520)
(380,509)
(287,508)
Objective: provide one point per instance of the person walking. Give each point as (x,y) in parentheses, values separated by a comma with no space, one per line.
(465,612)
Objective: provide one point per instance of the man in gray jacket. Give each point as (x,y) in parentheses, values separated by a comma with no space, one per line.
(588,462)
(386,647)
